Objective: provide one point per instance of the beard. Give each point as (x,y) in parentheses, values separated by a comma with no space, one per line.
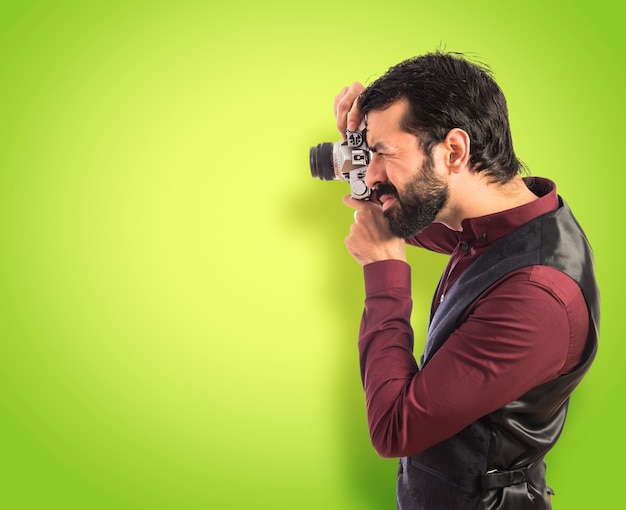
(418,205)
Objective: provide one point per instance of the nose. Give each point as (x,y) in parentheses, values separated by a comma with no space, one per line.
(375,171)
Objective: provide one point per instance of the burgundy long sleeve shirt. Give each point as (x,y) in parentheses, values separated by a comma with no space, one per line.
(528,328)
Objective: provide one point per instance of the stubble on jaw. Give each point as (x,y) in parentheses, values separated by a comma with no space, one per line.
(418,205)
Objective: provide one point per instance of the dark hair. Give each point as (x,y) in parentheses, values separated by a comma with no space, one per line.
(447,91)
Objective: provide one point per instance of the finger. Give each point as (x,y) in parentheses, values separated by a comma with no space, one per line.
(354,117)
(338,98)
(344,104)
(361,205)
(351,202)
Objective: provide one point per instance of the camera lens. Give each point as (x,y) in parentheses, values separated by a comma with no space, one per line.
(321,161)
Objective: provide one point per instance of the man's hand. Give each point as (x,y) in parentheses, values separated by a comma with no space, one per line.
(370,238)
(347,113)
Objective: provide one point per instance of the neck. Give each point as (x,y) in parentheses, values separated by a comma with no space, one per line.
(476,196)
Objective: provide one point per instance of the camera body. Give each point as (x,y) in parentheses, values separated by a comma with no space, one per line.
(344,160)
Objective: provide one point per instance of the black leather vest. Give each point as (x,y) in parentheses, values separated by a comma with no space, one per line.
(497,461)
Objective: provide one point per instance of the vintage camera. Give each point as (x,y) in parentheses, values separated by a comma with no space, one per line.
(346,159)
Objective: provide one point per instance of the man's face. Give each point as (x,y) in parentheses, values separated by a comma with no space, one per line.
(408,187)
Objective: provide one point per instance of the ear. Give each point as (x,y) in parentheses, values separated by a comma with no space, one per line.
(457,147)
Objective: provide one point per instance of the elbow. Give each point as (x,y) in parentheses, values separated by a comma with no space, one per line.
(387,445)
(391,439)
(393,431)
(384,452)
(391,451)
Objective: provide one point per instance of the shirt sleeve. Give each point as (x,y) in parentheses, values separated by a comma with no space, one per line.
(527,329)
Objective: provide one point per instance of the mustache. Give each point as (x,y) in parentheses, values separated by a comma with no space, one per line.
(386,188)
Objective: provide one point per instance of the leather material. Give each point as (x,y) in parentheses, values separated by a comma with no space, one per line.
(496,463)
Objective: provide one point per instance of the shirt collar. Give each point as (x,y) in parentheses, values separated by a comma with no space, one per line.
(488,228)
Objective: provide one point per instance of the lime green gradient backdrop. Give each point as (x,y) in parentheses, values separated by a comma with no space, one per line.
(178,313)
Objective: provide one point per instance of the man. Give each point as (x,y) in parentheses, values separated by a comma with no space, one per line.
(514,320)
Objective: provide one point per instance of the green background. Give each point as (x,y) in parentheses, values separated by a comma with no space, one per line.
(178,313)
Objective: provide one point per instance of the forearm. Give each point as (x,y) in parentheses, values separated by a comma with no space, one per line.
(386,349)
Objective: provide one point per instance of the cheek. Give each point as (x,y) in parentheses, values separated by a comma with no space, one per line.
(404,176)
(398,173)
(438,163)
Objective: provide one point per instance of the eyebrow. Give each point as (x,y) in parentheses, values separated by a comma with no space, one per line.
(378,146)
